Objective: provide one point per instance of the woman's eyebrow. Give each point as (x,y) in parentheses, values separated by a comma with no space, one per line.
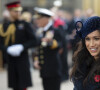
(86,37)
(96,36)
(93,36)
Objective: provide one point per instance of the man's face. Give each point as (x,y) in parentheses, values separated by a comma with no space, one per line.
(15,14)
(42,21)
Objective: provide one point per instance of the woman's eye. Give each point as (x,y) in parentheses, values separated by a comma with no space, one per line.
(87,39)
(97,38)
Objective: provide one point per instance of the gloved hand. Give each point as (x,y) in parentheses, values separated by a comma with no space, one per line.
(15,50)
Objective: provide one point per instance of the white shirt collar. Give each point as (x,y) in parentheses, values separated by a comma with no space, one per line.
(48,25)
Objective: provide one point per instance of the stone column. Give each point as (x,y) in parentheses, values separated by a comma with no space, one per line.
(41,2)
(87,4)
(96,6)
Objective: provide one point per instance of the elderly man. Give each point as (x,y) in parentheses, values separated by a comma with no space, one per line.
(48,60)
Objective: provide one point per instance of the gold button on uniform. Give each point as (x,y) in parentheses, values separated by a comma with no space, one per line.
(41,47)
(41,57)
(41,51)
(42,62)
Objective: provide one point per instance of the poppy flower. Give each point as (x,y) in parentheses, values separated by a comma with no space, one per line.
(97,78)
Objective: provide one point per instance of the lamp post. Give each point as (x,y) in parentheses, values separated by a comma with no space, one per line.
(57,3)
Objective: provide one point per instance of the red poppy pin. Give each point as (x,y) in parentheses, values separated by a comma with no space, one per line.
(97,78)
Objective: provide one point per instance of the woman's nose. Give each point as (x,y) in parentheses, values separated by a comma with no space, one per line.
(92,43)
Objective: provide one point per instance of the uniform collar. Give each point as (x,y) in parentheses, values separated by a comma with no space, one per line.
(50,23)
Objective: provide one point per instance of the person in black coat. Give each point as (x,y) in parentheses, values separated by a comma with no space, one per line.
(49,59)
(60,24)
(86,70)
(15,38)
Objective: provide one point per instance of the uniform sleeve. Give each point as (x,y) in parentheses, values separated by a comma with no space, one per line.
(35,54)
(31,37)
(2,46)
(57,41)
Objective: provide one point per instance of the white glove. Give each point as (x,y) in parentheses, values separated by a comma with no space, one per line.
(15,50)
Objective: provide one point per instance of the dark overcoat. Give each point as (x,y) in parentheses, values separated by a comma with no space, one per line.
(18,67)
(49,58)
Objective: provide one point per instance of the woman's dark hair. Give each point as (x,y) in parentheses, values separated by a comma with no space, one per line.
(82,55)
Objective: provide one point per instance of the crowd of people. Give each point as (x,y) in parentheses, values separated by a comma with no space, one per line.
(49,34)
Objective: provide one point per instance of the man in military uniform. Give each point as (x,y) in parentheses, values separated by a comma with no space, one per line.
(51,41)
(15,38)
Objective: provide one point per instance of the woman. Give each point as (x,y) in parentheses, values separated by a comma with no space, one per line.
(86,70)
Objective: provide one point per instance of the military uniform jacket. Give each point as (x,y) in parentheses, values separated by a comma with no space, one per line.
(18,67)
(49,58)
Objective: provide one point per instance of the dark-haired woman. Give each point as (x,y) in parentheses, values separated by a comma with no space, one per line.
(86,70)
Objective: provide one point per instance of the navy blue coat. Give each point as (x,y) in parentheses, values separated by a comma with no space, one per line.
(80,77)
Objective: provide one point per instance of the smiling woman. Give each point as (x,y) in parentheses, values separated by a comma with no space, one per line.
(86,70)
(93,43)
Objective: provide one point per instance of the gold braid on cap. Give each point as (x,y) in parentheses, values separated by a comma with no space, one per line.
(10,33)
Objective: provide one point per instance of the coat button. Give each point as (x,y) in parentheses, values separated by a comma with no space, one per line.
(42,62)
(41,57)
(41,47)
(41,51)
